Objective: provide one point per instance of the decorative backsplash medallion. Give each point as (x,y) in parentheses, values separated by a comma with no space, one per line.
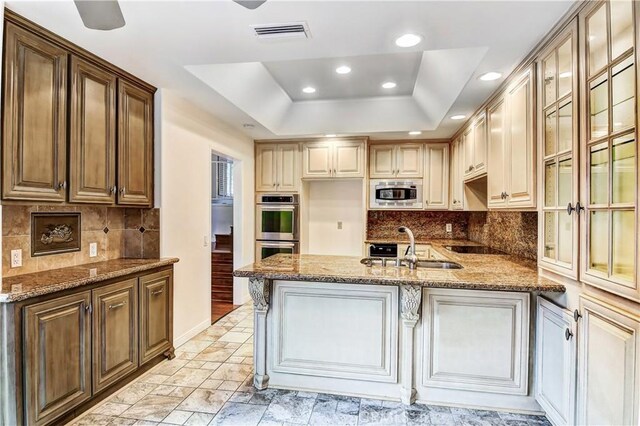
(54,233)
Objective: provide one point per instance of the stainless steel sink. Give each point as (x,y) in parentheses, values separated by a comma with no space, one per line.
(422,263)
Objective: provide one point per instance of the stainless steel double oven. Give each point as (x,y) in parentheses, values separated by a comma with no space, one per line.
(277,225)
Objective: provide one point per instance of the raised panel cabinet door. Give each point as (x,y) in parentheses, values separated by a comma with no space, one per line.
(266,177)
(382,161)
(497,155)
(521,158)
(317,160)
(156,312)
(409,160)
(135,145)
(92,148)
(57,357)
(348,159)
(35,113)
(115,332)
(467,143)
(457,184)
(288,169)
(480,146)
(436,176)
(608,371)
(556,359)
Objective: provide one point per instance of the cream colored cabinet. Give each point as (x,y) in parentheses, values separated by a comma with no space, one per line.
(608,370)
(556,358)
(436,176)
(277,167)
(609,233)
(511,180)
(474,139)
(403,160)
(457,184)
(333,159)
(558,154)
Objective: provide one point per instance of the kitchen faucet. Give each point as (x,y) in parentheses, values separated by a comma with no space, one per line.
(410,257)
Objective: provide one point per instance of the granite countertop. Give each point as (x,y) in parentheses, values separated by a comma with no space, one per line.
(480,272)
(22,287)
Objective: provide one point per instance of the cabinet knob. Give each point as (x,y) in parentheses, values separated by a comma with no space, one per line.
(570,209)
(502,195)
(579,208)
(88,308)
(62,185)
(123,190)
(576,315)
(568,334)
(113,189)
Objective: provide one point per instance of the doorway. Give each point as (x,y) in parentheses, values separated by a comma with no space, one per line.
(221,236)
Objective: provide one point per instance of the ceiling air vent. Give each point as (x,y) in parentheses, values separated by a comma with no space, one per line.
(287,30)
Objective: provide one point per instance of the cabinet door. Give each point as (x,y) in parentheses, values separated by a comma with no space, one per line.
(496,174)
(156,314)
(115,332)
(436,176)
(57,357)
(556,362)
(608,370)
(457,185)
(317,160)
(521,156)
(348,159)
(480,146)
(288,166)
(467,143)
(135,145)
(409,161)
(35,118)
(382,161)
(92,149)
(266,166)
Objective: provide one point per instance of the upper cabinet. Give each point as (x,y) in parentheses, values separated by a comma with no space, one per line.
(609,147)
(277,167)
(34,136)
(333,159)
(436,176)
(558,147)
(474,140)
(106,117)
(135,145)
(456,175)
(401,160)
(511,175)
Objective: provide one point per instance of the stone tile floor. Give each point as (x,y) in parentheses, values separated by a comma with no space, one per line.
(210,383)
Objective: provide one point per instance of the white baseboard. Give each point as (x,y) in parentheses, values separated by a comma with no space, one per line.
(181,340)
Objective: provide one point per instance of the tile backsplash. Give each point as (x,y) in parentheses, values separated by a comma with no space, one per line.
(512,232)
(383,224)
(118,232)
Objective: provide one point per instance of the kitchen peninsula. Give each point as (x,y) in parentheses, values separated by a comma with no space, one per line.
(444,336)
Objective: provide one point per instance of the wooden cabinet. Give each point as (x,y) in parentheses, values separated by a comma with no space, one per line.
(403,160)
(135,145)
(608,371)
(474,140)
(333,159)
(34,118)
(511,173)
(556,359)
(92,132)
(115,332)
(277,167)
(57,356)
(436,176)
(457,183)
(156,322)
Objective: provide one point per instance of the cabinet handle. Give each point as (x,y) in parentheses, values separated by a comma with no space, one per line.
(157,292)
(502,195)
(579,208)
(62,185)
(568,334)
(123,190)
(570,209)
(113,189)
(576,315)
(88,308)
(506,195)
(118,305)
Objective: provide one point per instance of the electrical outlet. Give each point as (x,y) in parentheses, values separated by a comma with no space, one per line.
(339,224)
(16,258)
(448,228)
(93,249)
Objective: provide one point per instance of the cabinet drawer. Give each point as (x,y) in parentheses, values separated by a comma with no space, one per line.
(156,300)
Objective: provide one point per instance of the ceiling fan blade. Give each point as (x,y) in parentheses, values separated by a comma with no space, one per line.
(100,14)
(250,4)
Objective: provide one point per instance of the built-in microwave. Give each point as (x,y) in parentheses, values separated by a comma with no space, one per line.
(277,217)
(395,194)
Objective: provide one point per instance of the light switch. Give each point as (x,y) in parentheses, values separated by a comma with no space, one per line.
(16,258)
(93,249)
(448,227)
(339,224)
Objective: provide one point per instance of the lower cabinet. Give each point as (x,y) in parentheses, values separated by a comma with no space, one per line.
(556,345)
(155,314)
(57,357)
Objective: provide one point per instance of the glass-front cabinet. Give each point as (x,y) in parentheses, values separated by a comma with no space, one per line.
(558,142)
(609,148)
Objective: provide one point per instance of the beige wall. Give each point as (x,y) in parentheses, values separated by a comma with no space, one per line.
(186,135)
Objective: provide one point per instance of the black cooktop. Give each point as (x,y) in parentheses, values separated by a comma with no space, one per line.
(474,250)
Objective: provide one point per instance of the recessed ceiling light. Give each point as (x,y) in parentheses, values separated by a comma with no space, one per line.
(388,85)
(490,76)
(408,40)
(343,69)
(331,135)
(309,89)
(415,132)
(458,117)
(565,74)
